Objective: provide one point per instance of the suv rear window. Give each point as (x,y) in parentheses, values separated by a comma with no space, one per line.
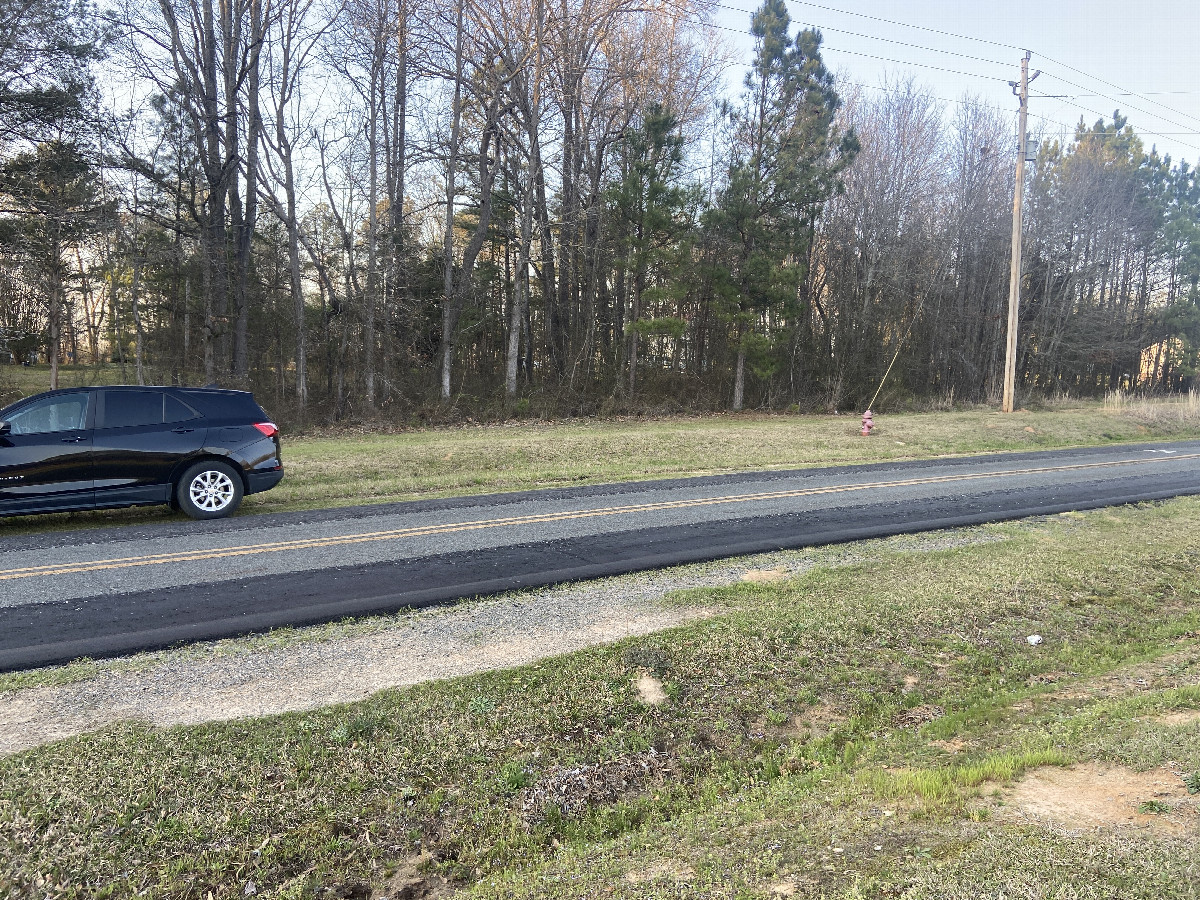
(225,404)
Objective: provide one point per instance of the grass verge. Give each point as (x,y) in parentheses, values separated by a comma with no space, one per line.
(361,468)
(841,734)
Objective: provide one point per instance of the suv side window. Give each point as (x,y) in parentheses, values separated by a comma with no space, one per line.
(124,409)
(66,412)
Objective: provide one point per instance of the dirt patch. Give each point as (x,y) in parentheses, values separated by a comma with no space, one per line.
(1092,795)
(408,883)
(817,722)
(650,689)
(1179,717)
(663,870)
(1179,668)
(765,576)
(950,747)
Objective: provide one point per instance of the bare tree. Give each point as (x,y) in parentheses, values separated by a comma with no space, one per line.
(291,43)
(198,55)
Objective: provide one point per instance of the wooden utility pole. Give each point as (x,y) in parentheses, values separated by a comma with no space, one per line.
(1014,276)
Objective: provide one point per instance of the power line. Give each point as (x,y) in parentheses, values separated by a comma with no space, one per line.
(738,31)
(1124,91)
(1113,98)
(1118,87)
(1050,121)
(714,25)
(904,62)
(875,37)
(1091,135)
(1134,108)
(1143,95)
(1046,119)
(964,37)
(872,87)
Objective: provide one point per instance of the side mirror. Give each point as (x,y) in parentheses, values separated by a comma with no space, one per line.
(5,428)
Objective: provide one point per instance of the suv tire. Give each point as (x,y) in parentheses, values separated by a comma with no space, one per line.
(209,490)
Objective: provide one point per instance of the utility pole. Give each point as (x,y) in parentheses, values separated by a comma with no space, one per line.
(1021,89)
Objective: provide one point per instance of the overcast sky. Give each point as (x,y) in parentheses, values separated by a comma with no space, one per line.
(1099,52)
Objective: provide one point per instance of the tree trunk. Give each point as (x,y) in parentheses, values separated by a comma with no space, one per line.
(245,235)
(138,332)
(520,305)
(297,291)
(55,314)
(372,241)
(231,128)
(739,380)
(187,325)
(449,300)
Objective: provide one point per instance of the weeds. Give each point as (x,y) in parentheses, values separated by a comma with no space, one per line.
(1183,408)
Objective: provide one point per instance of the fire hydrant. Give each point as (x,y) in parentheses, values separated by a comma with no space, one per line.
(868,424)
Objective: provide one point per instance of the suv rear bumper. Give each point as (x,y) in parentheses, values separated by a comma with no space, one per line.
(263,481)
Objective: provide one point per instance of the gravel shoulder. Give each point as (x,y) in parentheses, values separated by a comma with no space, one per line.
(308,668)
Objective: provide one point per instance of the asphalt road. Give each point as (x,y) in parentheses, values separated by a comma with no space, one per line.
(116,591)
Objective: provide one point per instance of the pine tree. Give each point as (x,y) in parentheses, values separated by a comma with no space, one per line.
(57,202)
(652,210)
(45,50)
(785,158)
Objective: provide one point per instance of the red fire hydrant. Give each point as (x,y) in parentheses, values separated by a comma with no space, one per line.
(868,423)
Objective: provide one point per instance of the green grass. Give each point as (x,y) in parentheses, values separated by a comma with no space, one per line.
(490,458)
(375,467)
(799,737)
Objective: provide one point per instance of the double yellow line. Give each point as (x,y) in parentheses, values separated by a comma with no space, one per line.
(453,528)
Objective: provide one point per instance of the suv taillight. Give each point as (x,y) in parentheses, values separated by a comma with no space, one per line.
(269,429)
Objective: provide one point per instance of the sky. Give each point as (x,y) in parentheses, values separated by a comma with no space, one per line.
(1139,57)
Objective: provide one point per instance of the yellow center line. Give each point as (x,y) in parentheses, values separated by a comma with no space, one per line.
(535,519)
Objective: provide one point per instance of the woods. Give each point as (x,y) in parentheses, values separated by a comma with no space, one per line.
(418,210)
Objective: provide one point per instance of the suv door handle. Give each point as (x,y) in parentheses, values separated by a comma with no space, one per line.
(73,440)
(182,430)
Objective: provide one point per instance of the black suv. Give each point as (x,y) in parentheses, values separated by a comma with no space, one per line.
(198,449)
